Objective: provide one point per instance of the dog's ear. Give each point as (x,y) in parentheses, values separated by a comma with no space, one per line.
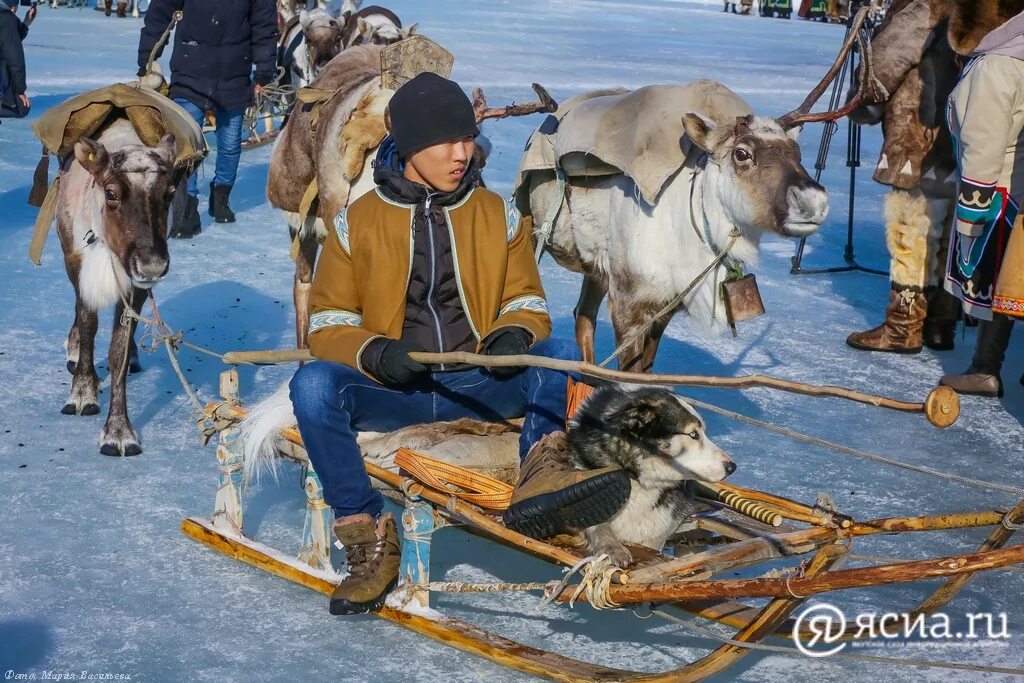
(635,418)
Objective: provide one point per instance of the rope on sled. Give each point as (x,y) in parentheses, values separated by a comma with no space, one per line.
(847,450)
(596,575)
(794,652)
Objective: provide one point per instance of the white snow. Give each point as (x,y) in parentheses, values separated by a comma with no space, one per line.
(94,572)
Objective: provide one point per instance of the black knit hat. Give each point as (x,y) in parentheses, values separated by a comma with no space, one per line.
(427,110)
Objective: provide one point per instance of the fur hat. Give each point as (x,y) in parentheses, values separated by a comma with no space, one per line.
(10,4)
(970,20)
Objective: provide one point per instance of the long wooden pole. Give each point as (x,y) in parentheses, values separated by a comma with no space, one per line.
(942,407)
(904,572)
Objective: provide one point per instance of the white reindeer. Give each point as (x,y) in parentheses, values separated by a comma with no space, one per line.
(653,186)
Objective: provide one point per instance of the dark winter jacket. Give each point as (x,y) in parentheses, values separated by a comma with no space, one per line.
(12,58)
(216,45)
(434,317)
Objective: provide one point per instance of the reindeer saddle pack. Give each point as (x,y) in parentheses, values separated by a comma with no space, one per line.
(151,115)
(604,133)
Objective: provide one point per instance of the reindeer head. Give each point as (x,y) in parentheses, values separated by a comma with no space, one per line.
(383,33)
(323,37)
(755,175)
(138,184)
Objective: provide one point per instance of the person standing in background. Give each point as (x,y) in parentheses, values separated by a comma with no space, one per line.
(14,103)
(220,49)
(986,118)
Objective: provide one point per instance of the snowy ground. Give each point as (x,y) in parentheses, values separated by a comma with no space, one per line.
(95,575)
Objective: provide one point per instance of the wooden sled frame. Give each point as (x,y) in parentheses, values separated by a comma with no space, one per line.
(686,582)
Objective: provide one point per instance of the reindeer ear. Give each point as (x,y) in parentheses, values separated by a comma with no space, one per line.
(304,19)
(92,156)
(363,27)
(794,133)
(635,418)
(387,119)
(167,148)
(701,130)
(411,31)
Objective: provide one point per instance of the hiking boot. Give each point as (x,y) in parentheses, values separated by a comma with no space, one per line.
(901,332)
(108,5)
(975,382)
(374,554)
(122,10)
(188,224)
(219,208)
(553,497)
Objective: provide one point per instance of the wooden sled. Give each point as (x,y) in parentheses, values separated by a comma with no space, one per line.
(742,528)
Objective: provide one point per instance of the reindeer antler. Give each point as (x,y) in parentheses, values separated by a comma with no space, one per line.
(856,36)
(545,105)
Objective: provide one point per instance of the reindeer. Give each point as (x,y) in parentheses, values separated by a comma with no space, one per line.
(641,227)
(112,210)
(333,142)
(375,25)
(308,42)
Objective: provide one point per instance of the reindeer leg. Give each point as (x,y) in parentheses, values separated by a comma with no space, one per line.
(134,364)
(118,436)
(592,293)
(83,399)
(627,323)
(651,341)
(304,263)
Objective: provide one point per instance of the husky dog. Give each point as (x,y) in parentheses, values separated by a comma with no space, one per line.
(660,442)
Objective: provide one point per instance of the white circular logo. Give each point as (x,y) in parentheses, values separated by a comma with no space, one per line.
(821,623)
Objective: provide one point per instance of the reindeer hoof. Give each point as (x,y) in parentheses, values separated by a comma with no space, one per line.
(118,438)
(87,409)
(113,451)
(71,366)
(134,366)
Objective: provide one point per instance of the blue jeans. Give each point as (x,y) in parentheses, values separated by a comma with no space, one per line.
(229,143)
(332,402)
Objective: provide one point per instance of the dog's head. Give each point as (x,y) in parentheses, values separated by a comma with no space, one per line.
(651,433)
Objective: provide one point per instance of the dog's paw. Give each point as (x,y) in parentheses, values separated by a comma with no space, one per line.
(618,554)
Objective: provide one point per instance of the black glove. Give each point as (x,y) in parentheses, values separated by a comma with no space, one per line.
(392,365)
(508,341)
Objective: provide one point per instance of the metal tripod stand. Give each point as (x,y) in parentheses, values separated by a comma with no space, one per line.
(852,161)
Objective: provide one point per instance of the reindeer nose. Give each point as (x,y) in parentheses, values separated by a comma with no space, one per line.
(149,267)
(730,467)
(810,201)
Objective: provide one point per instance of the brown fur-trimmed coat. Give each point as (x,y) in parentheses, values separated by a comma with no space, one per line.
(915,64)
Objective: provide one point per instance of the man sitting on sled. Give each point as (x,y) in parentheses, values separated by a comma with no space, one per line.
(429,261)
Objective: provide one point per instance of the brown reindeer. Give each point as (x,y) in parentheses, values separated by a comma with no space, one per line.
(112,211)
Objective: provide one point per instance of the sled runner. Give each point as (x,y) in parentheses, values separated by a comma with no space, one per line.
(739,529)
